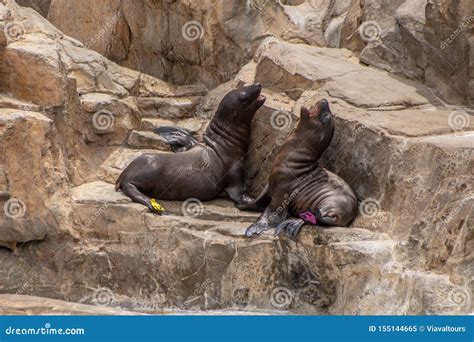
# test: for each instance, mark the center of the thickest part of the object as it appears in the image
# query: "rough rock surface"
(71, 120)
(183, 42)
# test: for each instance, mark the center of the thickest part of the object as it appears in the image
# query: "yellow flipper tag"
(157, 206)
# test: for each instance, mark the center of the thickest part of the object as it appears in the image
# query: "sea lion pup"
(207, 169)
(299, 185)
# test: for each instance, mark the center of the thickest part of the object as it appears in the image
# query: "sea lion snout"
(322, 106)
(251, 97)
(320, 110)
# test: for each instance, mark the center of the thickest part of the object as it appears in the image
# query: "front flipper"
(180, 139)
(291, 227)
(269, 219)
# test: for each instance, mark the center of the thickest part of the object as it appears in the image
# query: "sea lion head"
(317, 123)
(240, 105)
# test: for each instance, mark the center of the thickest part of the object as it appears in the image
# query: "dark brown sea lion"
(207, 169)
(299, 185)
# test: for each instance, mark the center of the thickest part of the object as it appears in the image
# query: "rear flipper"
(180, 139)
(136, 195)
(291, 227)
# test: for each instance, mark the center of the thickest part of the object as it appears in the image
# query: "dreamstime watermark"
(14, 208)
(23, 289)
(444, 44)
(109, 23)
(369, 207)
(192, 30)
(286, 202)
(46, 330)
(458, 208)
(281, 297)
(370, 31)
(458, 120)
(103, 296)
(281, 120)
(198, 292)
(103, 120)
(101, 210)
(459, 297)
(192, 207)
(14, 31)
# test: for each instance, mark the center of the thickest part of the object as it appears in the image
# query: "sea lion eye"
(243, 97)
(325, 118)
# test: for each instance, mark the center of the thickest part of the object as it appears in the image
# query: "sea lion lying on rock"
(204, 170)
(299, 185)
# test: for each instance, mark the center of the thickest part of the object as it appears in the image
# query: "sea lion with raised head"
(202, 170)
(298, 185)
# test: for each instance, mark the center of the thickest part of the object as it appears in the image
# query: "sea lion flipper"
(180, 139)
(268, 220)
(259, 203)
(291, 227)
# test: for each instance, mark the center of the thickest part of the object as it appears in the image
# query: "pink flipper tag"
(308, 217)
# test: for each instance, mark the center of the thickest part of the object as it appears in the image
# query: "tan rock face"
(71, 121)
(209, 43)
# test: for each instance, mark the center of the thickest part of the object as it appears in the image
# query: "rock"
(411, 38)
(23, 64)
(272, 123)
(210, 43)
(149, 140)
(167, 107)
(128, 36)
(17, 304)
(449, 66)
(194, 125)
(30, 305)
(28, 179)
(217, 265)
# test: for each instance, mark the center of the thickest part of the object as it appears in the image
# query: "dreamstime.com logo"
(281, 298)
(46, 330)
(192, 30)
(444, 44)
(459, 297)
(192, 207)
(14, 208)
(102, 297)
(14, 31)
(109, 24)
(369, 207)
(281, 120)
(370, 31)
(103, 120)
(458, 120)
(198, 292)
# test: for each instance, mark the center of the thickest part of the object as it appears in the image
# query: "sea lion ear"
(304, 113)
